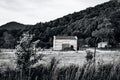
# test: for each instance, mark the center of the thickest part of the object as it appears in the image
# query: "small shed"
(102, 45)
(62, 42)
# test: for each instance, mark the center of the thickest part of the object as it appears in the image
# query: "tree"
(25, 53)
(105, 34)
(105, 31)
(9, 40)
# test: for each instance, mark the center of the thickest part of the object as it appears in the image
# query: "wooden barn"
(62, 42)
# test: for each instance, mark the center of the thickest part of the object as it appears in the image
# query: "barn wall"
(57, 44)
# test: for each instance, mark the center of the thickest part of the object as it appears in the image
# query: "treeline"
(101, 22)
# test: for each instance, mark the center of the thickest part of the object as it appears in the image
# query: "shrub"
(89, 55)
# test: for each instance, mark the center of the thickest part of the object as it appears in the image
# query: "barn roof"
(66, 37)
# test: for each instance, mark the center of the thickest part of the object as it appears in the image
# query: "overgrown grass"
(89, 71)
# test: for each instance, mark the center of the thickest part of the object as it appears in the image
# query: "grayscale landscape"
(60, 40)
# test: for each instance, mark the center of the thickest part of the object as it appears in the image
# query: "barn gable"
(61, 42)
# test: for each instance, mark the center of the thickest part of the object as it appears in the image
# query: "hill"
(101, 22)
(13, 26)
(10, 33)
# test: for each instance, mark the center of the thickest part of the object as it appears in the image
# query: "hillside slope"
(101, 22)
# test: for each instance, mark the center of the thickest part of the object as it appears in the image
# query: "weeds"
(110, 71)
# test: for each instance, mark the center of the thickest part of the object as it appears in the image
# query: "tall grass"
(89, 71)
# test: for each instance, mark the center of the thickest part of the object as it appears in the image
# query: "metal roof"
(66, 37)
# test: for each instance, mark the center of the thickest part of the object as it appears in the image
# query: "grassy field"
(7, 59)
(72, 66)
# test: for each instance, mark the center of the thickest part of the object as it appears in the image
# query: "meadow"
(66, 58)
(60, 65)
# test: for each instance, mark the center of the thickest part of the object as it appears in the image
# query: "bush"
(89, 55)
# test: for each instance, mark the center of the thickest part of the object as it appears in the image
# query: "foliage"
(89, 56)
(26, 53)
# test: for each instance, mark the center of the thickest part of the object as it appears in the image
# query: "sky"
(34, 11)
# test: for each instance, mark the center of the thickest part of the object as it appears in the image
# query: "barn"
(62, 42)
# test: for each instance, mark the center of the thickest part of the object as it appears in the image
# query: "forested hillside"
(101, 22)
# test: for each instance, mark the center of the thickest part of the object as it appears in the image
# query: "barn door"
(65, 46)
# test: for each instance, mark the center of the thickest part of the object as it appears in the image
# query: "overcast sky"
(34, 11)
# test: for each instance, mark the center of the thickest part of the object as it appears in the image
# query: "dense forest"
(101, 22)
